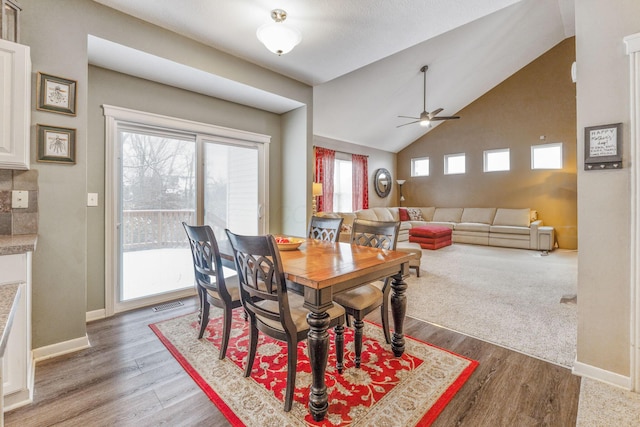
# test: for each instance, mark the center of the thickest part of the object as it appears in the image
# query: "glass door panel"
(158, 192)
(231, 189)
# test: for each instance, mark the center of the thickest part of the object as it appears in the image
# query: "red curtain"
(325, 161)
(360, 197)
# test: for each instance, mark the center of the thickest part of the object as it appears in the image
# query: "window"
(497, 160)
(342, 185)
(420, 166)
(454, 164)
(546, 156)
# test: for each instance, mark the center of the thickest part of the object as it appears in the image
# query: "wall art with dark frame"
(56, 94)
(603, 147)
(56, 144)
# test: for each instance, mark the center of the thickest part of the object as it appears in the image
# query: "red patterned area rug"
(406, 391)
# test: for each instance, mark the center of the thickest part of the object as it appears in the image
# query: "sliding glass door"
(161, 172)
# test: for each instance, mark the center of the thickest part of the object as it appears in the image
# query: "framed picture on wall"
(56, 94)
(603, 147)
(56, 144)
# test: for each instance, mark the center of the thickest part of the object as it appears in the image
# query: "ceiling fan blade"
(410, 123)
(434, 113)
(445, 118)
(409, 117)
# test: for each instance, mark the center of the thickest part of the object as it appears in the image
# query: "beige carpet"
(603, 405)
(509, 297)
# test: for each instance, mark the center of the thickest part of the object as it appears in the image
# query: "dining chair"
(213, 288)
(323, 228)
(360, 301)
(272, 309)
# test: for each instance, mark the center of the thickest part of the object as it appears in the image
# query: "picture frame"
(56, 144)
(56, 94)
(603, 147)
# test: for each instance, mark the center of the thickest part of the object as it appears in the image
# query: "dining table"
(324, 268)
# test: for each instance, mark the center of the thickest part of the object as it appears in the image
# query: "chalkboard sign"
(603, 147)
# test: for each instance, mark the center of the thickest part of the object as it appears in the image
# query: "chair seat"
(360, 298)
(232, 287)
(298, 312)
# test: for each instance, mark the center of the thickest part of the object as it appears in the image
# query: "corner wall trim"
(58, 349)
(96, 315)
(599, 374)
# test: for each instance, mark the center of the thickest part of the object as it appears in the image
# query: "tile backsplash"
(18, 221)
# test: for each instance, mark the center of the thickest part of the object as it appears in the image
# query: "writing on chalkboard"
(603, 142)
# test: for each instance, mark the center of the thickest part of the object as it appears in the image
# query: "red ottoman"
(430, 236)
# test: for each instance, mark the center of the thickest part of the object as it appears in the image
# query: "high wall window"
(546, 156)
(497, 160)
(454, 164)
(420, 166)
(342, 185)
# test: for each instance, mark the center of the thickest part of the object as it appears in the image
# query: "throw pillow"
(345, 228)
(404, 215)
(415, 214)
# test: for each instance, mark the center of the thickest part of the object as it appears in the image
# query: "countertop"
(18, 244)
(9, 295)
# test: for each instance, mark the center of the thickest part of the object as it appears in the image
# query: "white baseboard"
(58, 349)
(599, 374)
(96, 315)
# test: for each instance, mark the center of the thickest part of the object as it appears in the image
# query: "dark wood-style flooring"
(128, 378)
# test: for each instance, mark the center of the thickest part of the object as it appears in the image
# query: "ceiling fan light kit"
(277, 36)
(426, 118)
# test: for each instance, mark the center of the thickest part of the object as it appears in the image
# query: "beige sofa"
(511, 228)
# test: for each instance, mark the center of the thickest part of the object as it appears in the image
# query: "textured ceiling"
(363, 56)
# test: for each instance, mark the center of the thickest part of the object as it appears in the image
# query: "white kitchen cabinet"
(18, 367)
(15, 105)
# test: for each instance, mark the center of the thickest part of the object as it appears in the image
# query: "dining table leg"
(318, 344)
(398, 311)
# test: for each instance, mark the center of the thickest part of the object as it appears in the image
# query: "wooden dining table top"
(320, 264)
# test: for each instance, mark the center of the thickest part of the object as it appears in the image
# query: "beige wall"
(376, 159)
(66, 258)
(538, 100)
(604, 198)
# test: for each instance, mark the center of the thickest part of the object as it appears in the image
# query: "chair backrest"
(376, 234)
(207, 264)
(322, 228)
(263, 288)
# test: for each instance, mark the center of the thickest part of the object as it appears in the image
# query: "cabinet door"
(14, 268)
(15, 105)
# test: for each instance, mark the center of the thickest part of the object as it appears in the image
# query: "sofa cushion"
(378, 214)
(447, 214)
(403, 214)
(512, 217)
(478, 215)
(506, 229)
(415, 214)
(472, 226)
(367, 214)
(427, 213)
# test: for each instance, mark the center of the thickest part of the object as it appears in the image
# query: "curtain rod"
(338, 151)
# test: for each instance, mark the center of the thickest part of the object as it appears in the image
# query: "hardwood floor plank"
(128, 377)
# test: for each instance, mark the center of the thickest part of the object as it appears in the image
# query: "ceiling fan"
(426, 118)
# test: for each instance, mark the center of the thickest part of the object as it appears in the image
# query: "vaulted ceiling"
(363, 57)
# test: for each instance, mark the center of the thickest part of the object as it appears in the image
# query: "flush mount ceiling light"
(277, 36)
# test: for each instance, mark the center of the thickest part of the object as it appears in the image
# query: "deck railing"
(155, 229)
